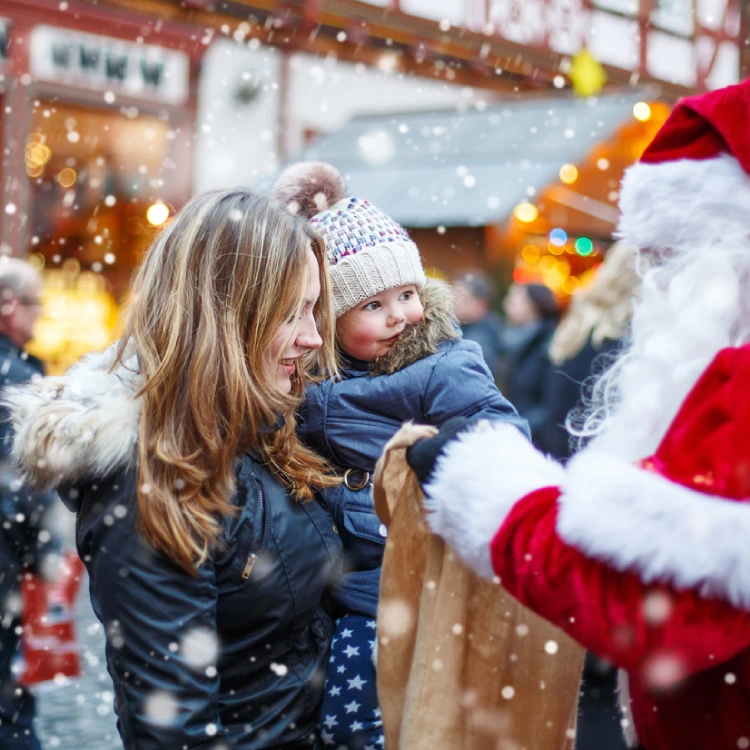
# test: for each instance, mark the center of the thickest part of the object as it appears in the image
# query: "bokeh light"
(157, 214)
(641, 112)
(67, 177)
(568, 173)
(584, 246)
(525, 212)
(558, 237)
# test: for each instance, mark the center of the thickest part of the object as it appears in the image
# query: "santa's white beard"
(693, 304)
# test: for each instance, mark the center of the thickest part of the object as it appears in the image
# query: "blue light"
(558, 237)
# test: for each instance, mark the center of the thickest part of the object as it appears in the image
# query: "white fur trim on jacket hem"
(477, 480)
(636, 520)
(685, 203)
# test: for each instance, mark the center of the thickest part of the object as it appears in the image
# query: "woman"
(207, 549)
(532, 315)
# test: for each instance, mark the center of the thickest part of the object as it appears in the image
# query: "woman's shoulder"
(79, 427)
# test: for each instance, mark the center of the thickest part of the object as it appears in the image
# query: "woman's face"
(518, 307)
(298, 335)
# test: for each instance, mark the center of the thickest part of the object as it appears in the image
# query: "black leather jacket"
(232, 657)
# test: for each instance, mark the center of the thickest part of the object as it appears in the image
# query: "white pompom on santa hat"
(691, 187)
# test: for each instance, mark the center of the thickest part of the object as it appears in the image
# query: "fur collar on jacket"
(84, 425)
(423, 338)
(79, 426)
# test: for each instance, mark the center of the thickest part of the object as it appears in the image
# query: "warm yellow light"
(571, 285)
(547, 263)
(586, 74)
(525, 212)
(555, 249)
(37, 154)
(568, 173)
(641, 112)
(157, 214)
(67, 177)
(562, 267)
(530, 253)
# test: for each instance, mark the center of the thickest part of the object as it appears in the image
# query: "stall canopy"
(468, 168)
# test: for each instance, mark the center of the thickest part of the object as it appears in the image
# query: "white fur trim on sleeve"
(684, 203)
(477, 480)
(637, 520)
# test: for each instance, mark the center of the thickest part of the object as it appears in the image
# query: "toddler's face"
(370, 329)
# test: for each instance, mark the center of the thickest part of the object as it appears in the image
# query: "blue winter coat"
(350, 421)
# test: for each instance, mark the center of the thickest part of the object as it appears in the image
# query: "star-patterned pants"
(350, 715)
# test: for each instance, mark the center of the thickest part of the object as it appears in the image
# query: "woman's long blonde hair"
(603, 309)
(213, 290)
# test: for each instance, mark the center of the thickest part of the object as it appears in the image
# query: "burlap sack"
(461, 665)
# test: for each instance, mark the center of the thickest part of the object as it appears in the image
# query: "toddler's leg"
(350, 715)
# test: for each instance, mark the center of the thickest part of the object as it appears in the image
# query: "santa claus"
(640, 547)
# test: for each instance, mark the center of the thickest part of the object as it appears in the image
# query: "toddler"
(402, 359)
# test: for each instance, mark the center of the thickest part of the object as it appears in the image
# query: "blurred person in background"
(532, 315)
(473, 294)
(28, 541)
(208, 551)
(584, 344)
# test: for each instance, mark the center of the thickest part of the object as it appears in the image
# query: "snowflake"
(199, 647)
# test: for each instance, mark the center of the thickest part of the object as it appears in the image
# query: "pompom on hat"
(368, 251)
(691, 187)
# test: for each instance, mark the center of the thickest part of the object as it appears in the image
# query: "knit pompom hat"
(368, 252)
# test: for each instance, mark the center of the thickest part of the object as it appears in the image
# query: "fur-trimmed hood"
(422, 339)
(79, 426)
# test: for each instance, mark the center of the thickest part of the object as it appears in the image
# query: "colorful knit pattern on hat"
(368, 252)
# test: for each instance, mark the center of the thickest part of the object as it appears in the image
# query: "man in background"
(474, 292)
(26, 542)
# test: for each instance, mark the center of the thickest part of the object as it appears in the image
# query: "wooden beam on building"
(419, 46)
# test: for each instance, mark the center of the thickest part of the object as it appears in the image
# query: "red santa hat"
(691, 188)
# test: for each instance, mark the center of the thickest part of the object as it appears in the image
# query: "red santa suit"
(640, 547)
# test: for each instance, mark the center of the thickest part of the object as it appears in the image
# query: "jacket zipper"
(261, 535)
(249, 566)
